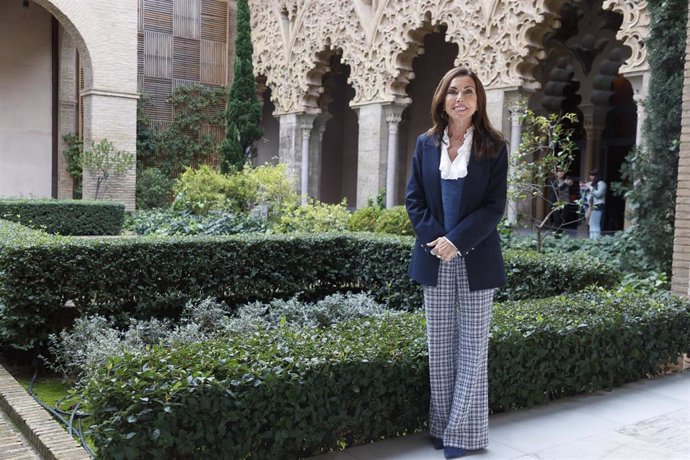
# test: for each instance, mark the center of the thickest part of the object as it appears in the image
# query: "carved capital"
(305, 122)
(393, 113)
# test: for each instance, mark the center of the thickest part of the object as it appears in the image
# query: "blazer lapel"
(432, 156)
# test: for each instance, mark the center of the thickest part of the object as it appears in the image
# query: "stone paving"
(49, 439)
(13, 446)
(645, 420)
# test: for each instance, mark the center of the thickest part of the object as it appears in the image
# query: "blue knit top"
(451, 194)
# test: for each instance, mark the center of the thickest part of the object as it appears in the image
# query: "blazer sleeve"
(478, 224)
(425, 225)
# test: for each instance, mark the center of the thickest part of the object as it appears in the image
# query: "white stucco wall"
(25, 100)
(105, 35)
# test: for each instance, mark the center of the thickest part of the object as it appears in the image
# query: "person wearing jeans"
(596, 189)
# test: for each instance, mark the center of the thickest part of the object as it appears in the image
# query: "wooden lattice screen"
(180, 42)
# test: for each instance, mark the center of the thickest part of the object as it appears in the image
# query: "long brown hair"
(486, 141)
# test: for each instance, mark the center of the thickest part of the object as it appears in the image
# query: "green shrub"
(169, 222)
(618, 249)
(364, 219)
(103, 163)
(154, 189)
(330, 310)
(81, 350)
(374, 218)
(314, 217)
(532, 275)
(316, 375)
(72, 154)
(66, 217)
(156, 276)
(266, 185)
(205, 189)
(291, 393)
(201, 190)
(394, 221)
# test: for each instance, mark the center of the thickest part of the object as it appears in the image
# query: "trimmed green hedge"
(66, 217)
(149, 276)
(291, 392)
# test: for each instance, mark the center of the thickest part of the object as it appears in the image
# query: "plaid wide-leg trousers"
(458, 337)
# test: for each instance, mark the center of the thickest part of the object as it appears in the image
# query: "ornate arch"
(293, 41)
(502, 40)
(633, 31)
(632, 34)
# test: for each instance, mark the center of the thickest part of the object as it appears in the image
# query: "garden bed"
(156, 276)
(294, 392)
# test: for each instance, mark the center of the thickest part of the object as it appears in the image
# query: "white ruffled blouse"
(457, 168)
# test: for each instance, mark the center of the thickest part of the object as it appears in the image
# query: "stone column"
(393, 114)
(316, 149)
(289, 144)
(499, 102)
(372, 150)
(593, 129)
(113, 116)
(515, 135)
(640, 85)
(306, 123)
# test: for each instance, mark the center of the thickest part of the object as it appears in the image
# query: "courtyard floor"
(14, 446)
(645, 420)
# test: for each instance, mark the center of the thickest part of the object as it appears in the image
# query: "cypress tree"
(243, 112)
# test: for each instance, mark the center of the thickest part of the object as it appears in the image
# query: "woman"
(596, 190)
(455, 199)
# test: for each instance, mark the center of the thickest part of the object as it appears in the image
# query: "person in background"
(595, 196)
(455, 198)
(560, 197)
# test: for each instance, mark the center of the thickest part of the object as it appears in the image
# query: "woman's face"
(461, 99)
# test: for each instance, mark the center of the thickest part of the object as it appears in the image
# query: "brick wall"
(681, 244)
(105, 35)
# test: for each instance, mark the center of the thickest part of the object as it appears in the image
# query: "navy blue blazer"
(482, 205)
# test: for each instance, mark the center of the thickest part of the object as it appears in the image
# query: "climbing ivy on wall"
(651, 171)
(184, 142)
(162, 157)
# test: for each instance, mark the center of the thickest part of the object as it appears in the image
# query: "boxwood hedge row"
(156, 276)
(293, 393)
(66, 217)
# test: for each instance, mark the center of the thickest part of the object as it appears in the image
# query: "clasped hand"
(443, 249)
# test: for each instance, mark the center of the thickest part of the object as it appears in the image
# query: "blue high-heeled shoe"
(453, 452)
(436, 442)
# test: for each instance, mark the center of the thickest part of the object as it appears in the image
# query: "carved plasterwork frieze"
(633, 31)
(294, 42)
(501, 40)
